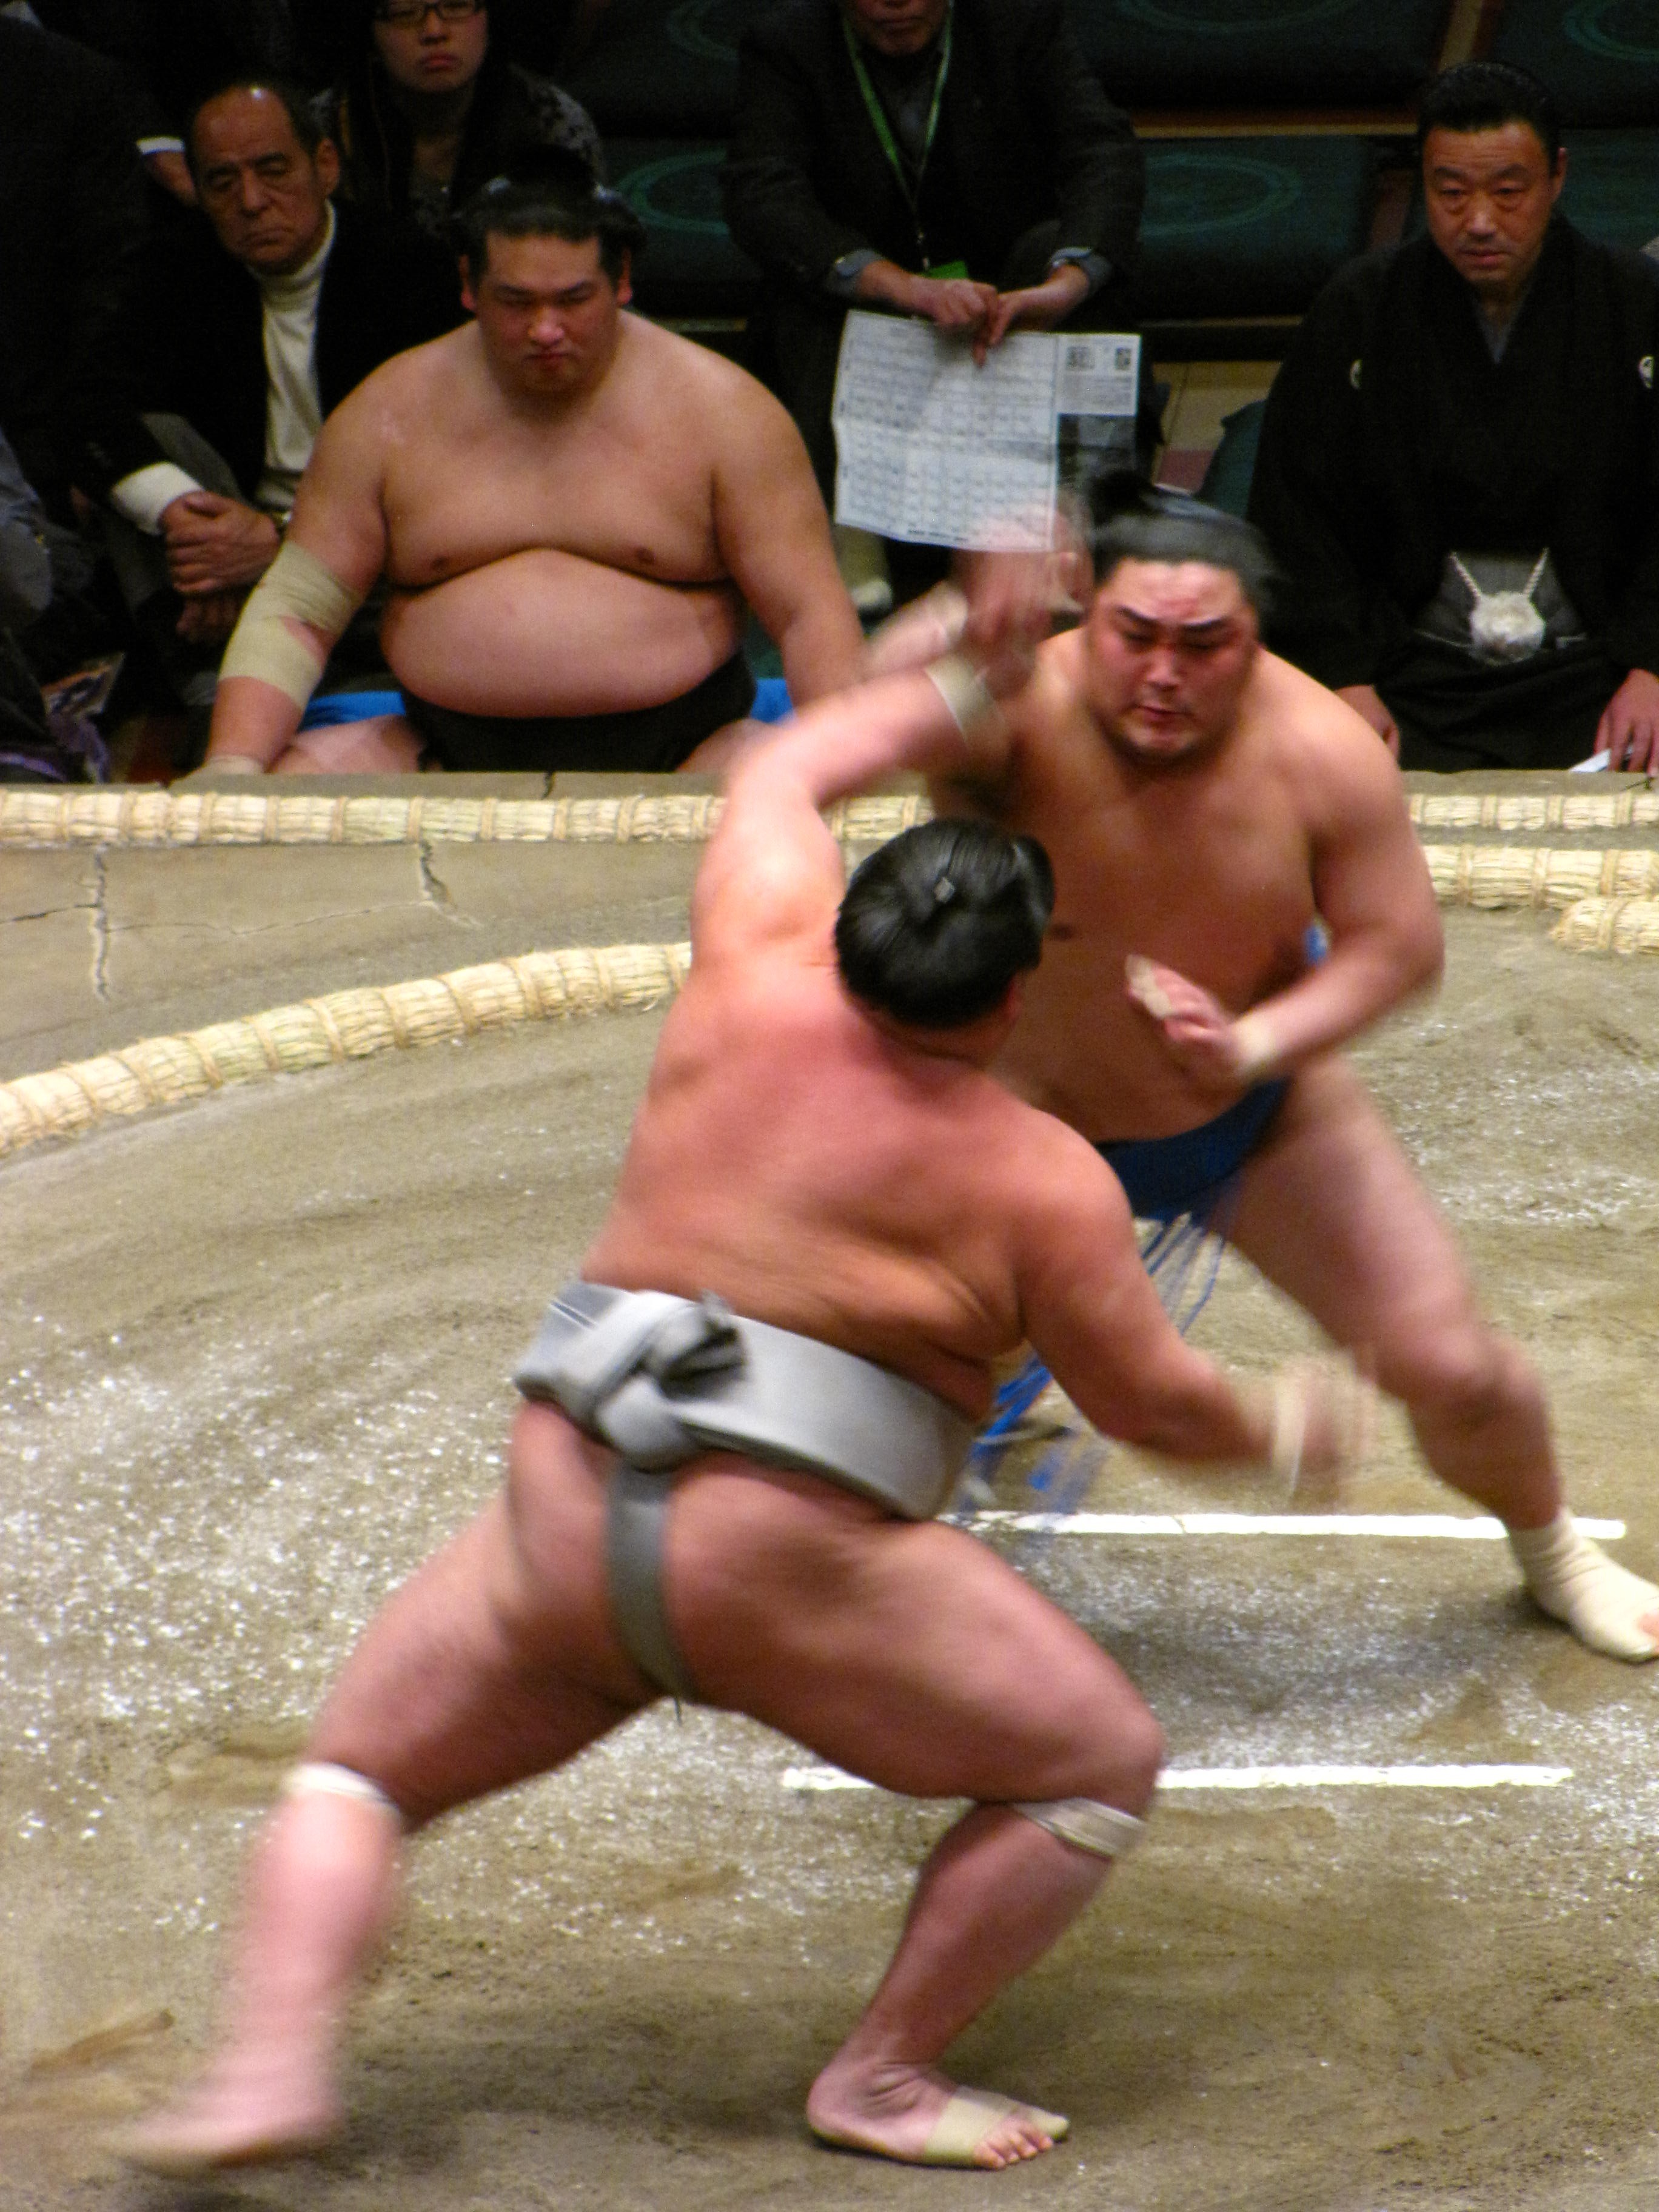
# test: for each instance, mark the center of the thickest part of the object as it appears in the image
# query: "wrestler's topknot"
(937, 924)
(548, 191)
(1131, 520)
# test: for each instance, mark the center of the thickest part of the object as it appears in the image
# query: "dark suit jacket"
(71, 244)
(201, 345)
(1025, 137)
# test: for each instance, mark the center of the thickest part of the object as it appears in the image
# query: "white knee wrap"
(317, 1780)
(296, 586)
(1086, 1825)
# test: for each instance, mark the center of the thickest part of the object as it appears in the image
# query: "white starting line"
(1278, 1777)
(1454, 1527)
(1443, 1527)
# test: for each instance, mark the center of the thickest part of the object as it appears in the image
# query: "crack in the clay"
(434, 891)
(99, 917)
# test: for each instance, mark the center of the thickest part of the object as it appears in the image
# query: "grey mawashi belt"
(661, 1379)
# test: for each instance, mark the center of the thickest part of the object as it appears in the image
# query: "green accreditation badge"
(946, 269)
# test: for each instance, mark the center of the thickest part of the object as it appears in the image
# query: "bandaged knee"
(1574, 1581)
(298, 587)
(314, 1779)
(1101, 1830)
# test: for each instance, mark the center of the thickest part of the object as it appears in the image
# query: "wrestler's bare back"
(818, 1176)
(546, 558)
(1214, 867)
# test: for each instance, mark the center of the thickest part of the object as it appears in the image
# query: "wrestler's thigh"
(909, 1653)
(381, 744)
(1331, 1210)
(476, 1673)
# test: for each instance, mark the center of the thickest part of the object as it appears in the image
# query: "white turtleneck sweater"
(294, 410)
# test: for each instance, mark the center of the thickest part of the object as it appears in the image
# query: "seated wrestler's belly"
(548, 633)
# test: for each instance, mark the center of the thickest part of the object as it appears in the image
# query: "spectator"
(952, 159)
(45, 571)
(257, 322)
(48, 599)
(73, 194)
(1459, 469)
(429, 111)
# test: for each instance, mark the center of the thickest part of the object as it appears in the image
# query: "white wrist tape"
(1289, 1430)
(964, 690)
(315, 1779)
(234, 764)
(299, 587)
(1088, 1826)
(1257, 1052)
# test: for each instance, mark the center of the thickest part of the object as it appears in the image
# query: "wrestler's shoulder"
(683, 375)
(1321, 746)
(410, 385)
(1049, 717)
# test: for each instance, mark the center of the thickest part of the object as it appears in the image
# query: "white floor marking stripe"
(1365, 1777)
(1279, 1777)
(1468, 1528)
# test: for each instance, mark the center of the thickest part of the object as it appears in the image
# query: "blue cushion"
(1249, 226)
(332, 707)
(1600, 58)
(665, 67)
(772, 701)
(690, 266)
(1237, 53)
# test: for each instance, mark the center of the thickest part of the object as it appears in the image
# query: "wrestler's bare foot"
(900, 2113)
(240, 2113)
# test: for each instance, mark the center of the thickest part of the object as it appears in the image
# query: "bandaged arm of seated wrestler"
(334, 550)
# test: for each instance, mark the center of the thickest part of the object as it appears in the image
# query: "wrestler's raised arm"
(773, 537)
(334, 550)
(773, 869)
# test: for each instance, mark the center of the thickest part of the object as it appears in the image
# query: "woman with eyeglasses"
(430, 110)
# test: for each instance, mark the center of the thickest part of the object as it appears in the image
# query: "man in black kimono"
(1458, 469)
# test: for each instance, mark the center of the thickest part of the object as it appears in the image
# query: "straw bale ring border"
(136, 816)
(168, 1071)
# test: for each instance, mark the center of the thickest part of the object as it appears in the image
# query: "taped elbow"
(297, 587)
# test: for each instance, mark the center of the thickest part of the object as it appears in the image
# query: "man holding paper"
(951, 159)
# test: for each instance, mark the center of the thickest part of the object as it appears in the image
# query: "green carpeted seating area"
(1237, 54)
(1600, 57)
(1249, 226)
(690, 266)
(1612, 190)
(665, 68)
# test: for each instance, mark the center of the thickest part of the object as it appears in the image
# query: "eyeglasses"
(411, 14)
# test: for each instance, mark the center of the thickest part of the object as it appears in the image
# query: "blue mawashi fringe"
(1183, 1258)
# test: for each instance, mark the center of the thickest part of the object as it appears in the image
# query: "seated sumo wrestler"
(571, 507)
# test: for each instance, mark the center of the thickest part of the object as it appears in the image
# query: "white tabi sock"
(1575, 1581)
